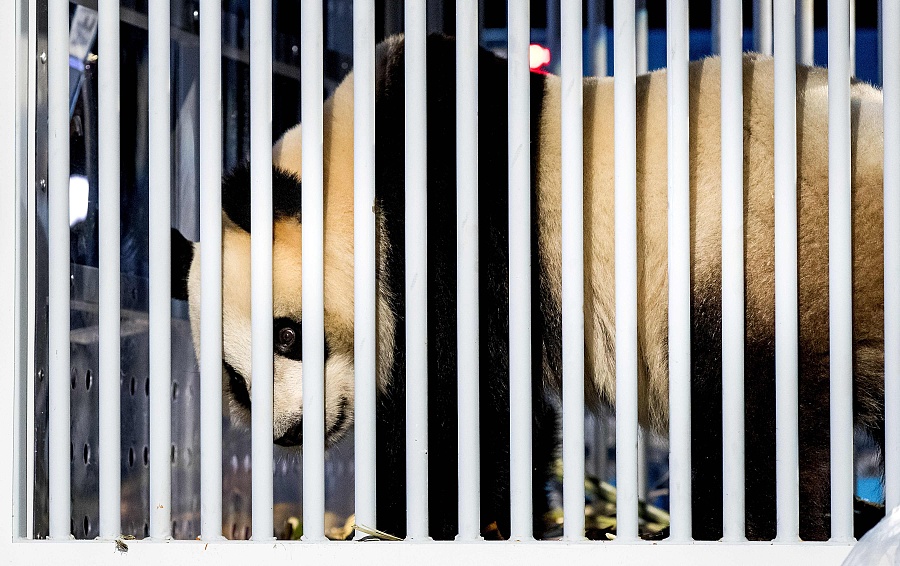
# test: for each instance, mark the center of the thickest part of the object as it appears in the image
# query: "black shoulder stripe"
(493, 206)
(236, 194)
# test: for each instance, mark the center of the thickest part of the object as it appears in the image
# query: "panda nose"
(292, 436)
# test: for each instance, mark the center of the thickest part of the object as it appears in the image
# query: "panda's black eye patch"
(288, 338)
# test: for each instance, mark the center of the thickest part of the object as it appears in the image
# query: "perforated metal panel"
(134, 378)
(134, 383)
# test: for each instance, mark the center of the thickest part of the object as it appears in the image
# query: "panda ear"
(286, 194)
(182, 256)
(236, 195)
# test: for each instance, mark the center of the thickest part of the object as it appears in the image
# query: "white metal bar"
(805, 38)
(29, 59)
(572, 271)
(12, 161)
(891, 52)
(678, 128)
(58, 269)
(732, 271)
(262, 370)
(19, 116)
(211, 270)
(626, 273)
(109, 286)
(364, 259)
(840, 269)
(160, 149)
(312, 202)
(520, 440)
(762, 26)
(642, 43)
(787, 465)
(469, 461)
(416, 276)
(443, 553)
(597, 37)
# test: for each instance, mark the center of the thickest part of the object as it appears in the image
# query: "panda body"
(546, 279)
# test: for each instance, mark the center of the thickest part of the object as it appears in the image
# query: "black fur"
(237, 385)
(236, 195)
(493, 289)
(706, 394)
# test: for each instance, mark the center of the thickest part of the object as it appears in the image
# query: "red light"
(538, 56)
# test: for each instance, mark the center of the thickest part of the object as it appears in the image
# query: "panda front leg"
(706, 442)
(759, 449)
(706, 422)
(815, 453)
(759, 440)
(706, 448)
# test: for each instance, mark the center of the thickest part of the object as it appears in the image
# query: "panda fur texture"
(705, 174)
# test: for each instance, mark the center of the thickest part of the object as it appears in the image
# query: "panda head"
(286, 281)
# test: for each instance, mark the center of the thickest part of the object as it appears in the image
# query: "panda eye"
(287, 338)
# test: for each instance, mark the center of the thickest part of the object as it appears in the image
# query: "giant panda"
(705, 177)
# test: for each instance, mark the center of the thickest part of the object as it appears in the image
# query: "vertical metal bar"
(626, 272)
(467, 267)
(891, 51)
(787, 465)
(364, 258)
(160, 270)
(642, 41)
(679, 217)
(762, 26)
(416, 276)
(29, 60)
(58, 269)
(19, 115)
(572, 271)
(805, 31)
(732, 271)
(840, 266)
(262, 370)
(597, 37)
(109, 319)
(12, 159)
(211, 270)
(520, 353)
(312, 50)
